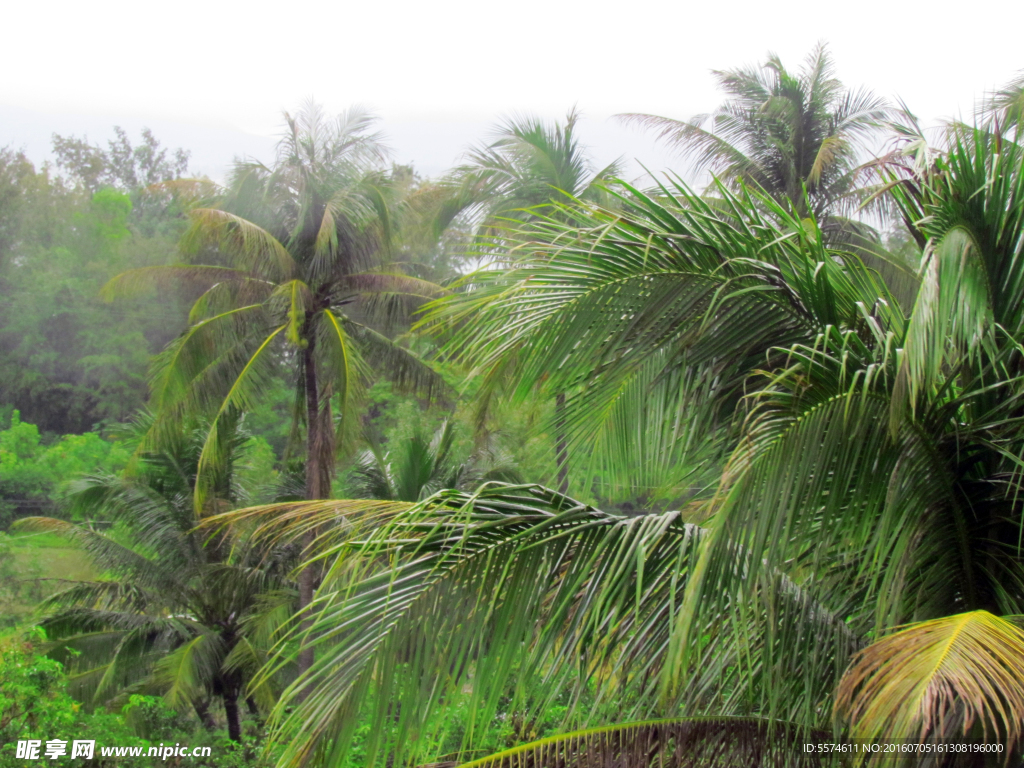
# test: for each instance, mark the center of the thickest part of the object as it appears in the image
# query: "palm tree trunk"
(318, 484)
(230, 697)
(202, 708)
(561, 444)
(313, 491)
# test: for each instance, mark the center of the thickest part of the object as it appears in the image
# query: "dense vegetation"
(333, 465)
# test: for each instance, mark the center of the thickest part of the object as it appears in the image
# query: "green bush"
(34, 704)
(30, 469)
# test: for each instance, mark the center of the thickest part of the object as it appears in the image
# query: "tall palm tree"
(524, 171)
(783, 132)
(873, 480)
(178, 613)
(527, 173)
(293, 260)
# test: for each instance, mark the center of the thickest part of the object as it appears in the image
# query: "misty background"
(213, 78)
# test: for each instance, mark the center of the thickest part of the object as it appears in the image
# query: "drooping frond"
(333, 521)
(937, 680)
(713, 742)
(197, 368)
(517, 581)
(134, 281)
(397, 363)
(387, 282)
(252, 380)
(244, 243)
(186, 672)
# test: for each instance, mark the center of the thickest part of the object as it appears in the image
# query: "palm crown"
(298, 272)
(782, 132)
(526, 171)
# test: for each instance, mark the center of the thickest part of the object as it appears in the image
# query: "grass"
(33, 567)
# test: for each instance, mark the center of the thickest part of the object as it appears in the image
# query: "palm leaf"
(249, 245)
(680, 743)
(253, 378)
(134, 281)
(185, 673)
(522, 581)
(937, 680)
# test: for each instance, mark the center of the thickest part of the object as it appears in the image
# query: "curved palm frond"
(249, 245)
(937, 680)
(134, 281)
(711, 742)
(507, 582)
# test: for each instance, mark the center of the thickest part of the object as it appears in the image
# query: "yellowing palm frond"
(937, 680)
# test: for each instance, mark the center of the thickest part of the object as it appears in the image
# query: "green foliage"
(34, 471)
(803, 447)
(176, 612)
(67, 361)
(34, 703)
(152, 719)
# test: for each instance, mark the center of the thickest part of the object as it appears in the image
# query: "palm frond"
(680, 743)
(335, 520)
(247, 244)
(135, 281)
(938, 680)
(185, 673)
(398, 364)
(517, 581)
(253, 378)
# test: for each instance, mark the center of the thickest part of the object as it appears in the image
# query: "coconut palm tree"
(873, 481)
(527, 168)
(795, 135)
(292, 260)
(527, 173)
(178, 612)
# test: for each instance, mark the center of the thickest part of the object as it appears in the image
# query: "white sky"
(204, 72)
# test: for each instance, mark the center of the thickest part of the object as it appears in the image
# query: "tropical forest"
(535, 463)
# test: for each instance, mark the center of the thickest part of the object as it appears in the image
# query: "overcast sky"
(214, 75)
